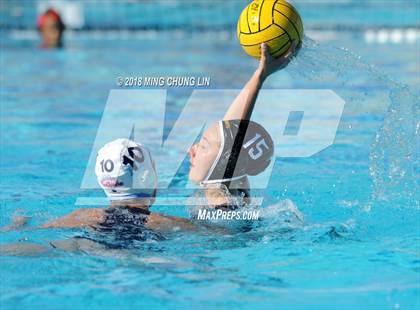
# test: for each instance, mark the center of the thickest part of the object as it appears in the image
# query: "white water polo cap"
(126, 170)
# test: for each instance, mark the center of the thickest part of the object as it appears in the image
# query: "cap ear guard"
(218, 157)
(132, 157)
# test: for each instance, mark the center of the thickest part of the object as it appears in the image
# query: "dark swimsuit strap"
(134, 210)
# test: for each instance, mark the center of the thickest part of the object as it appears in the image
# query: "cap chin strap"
(202, 183)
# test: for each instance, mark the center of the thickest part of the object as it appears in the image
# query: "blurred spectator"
(51, 28)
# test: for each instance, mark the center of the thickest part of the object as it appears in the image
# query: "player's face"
(204, 153)
(50, 33)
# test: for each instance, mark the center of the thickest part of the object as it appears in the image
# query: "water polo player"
(219, 159)
(51, 28)
(234, 148)
(126, 172)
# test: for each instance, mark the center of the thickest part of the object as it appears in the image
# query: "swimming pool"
(358, 246)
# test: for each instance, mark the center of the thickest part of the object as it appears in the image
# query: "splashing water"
(394, 156)
(394, 162)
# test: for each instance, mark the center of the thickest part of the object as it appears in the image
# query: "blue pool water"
(357, 247)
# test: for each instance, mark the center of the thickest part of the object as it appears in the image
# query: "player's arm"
(162, 222)
(243, 104)
(18, 222)
(165, 223)
(77, 218)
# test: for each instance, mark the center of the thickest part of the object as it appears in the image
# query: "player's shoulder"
(88, 212)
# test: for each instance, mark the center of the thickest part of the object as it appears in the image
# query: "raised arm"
(242, 106)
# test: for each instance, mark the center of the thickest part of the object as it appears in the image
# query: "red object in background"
(49, 13)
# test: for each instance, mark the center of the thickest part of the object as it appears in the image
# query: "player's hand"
(268, 64)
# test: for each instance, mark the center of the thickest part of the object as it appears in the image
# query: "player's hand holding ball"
(273, 22)
(269, 64)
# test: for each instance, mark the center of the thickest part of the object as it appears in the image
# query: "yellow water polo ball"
(275, 22)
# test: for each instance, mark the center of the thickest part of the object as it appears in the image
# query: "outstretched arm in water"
(93, 216)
